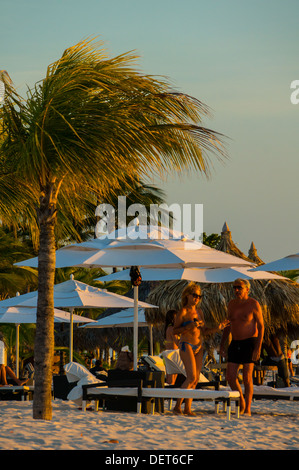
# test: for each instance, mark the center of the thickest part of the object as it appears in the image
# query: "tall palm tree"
(90, 123)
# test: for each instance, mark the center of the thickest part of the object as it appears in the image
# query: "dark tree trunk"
(44, 340)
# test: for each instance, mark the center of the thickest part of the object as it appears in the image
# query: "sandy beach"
(272, 426)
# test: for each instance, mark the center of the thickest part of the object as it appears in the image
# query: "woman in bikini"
(190, 324)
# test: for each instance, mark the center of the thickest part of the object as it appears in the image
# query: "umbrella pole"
(151, 340)
(135, 328)
(17, 348)
(71, 335)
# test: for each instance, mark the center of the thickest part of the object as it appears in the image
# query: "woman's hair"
(169, 319)
(192, 287)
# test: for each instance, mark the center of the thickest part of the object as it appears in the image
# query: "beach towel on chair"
(77, 373)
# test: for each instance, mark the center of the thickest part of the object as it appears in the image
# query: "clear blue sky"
(238, 57)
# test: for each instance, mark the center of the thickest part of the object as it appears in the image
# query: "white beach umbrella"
(19, 315)
(289, 263)
(143, 246)
(156, 247)
(122, 319)
(75, 294)
(217, 275)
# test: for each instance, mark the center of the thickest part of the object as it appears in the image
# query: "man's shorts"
(240, 351)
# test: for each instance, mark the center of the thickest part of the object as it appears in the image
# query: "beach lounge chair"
(116, 390)
(217, 396)
(94, 392)
(16, 392)
(150, 378)
(269, 393)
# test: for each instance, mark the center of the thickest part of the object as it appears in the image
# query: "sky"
(237, 57)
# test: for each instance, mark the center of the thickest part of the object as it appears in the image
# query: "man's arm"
(226, 332)
(225, 335)
(260, 327)
(222, 326)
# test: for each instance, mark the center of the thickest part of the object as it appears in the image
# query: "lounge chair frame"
(95, 392)
(15, 392)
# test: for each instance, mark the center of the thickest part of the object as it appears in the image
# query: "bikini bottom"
(195, 348)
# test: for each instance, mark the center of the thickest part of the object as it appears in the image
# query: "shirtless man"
(247, 330)
(190, 324)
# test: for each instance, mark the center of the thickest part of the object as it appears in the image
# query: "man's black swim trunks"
(240, 351)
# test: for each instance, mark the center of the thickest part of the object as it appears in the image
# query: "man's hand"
(198, 323)
(223, 324)
(256, 354)
(222, 351)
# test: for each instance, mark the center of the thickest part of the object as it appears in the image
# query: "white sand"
(272, 426)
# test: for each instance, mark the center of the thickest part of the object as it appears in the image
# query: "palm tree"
(136, 192)
(81, 131)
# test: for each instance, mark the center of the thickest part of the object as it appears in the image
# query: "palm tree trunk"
(44, 340)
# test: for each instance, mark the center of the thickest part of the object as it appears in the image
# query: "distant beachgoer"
(290, 364)
(171, 341)
(247, 330)
(275, 357)
(98, 367)
(190, 324)
(125, 359)
(6, 371)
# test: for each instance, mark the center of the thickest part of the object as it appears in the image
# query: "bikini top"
(186, 322)
(189, 321)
